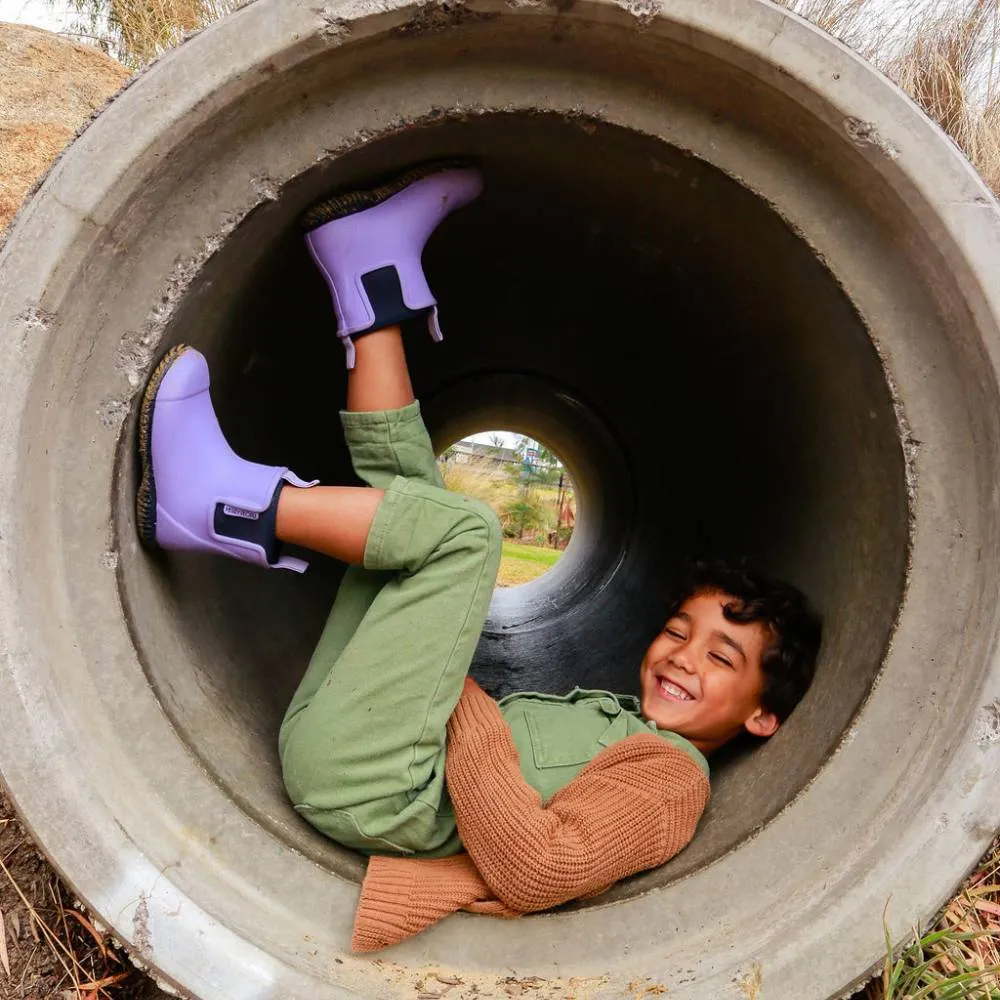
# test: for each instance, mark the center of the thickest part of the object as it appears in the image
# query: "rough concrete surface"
(722, 266)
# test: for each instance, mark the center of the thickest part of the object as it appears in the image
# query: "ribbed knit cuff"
(402, 896)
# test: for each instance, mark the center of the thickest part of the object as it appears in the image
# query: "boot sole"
(339, 206)
(145, 497)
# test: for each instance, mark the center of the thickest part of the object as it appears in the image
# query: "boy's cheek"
(652, 655)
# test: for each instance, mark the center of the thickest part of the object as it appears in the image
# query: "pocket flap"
(561, 738)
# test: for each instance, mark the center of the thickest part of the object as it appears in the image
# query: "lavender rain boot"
(196, 493)
(368, 246)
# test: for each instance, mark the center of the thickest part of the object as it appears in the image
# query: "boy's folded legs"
(363, 756)
(363, 761)
(362, 744)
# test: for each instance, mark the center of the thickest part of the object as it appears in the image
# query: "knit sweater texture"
(633, 807)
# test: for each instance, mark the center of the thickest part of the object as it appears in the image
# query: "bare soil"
(49, 949)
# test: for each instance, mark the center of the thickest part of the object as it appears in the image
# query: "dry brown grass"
(854, 22)
(137, 31)
(947, 66)
(481, 480)
(943, 55)
(48, 88)
(530, 514)
(26, 149)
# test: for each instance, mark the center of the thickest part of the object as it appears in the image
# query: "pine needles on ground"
(49, 948)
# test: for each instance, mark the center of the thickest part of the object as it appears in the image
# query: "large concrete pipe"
(725, 269)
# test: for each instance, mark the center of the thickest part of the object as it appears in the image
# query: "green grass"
(941, 965)
(521, 563)
(532, 553)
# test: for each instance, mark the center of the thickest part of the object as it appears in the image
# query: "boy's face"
(702, 675)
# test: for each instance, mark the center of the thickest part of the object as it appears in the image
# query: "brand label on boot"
(231, 511)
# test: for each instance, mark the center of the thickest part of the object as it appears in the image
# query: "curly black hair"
(789, 663)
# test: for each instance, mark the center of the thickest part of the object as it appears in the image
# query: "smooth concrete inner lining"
(701, 372)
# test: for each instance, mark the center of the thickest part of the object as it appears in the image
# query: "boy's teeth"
(674, 690)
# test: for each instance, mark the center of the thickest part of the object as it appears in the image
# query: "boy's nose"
(682, 660)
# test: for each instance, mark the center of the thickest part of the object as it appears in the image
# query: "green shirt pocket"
(558, 735)
(555, 740)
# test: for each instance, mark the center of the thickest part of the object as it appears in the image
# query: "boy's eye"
(673, 633)
(724, 660)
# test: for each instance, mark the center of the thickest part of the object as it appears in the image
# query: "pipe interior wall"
(705, 377)
(720, 265)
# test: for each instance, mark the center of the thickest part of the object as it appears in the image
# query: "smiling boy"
(737, 654)
(701, 677)
(388, 747)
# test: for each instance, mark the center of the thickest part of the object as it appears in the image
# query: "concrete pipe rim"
(206, 904)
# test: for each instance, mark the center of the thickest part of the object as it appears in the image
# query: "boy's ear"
(762, 723)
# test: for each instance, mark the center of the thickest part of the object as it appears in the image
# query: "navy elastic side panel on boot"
(251, 526)
(385, 294)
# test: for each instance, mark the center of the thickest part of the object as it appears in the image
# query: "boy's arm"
(402, 896)
(633, 807)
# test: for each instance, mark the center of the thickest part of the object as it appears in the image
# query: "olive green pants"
(363, 741)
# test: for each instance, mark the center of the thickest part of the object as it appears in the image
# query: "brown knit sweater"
(634, 806)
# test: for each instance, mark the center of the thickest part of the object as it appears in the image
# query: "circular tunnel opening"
(529, 487)
(701, 373)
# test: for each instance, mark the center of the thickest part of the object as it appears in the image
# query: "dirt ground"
(49, 950)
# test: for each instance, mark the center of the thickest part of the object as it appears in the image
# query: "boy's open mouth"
(673, 692)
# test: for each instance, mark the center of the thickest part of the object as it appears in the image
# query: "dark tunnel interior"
(702, 374)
